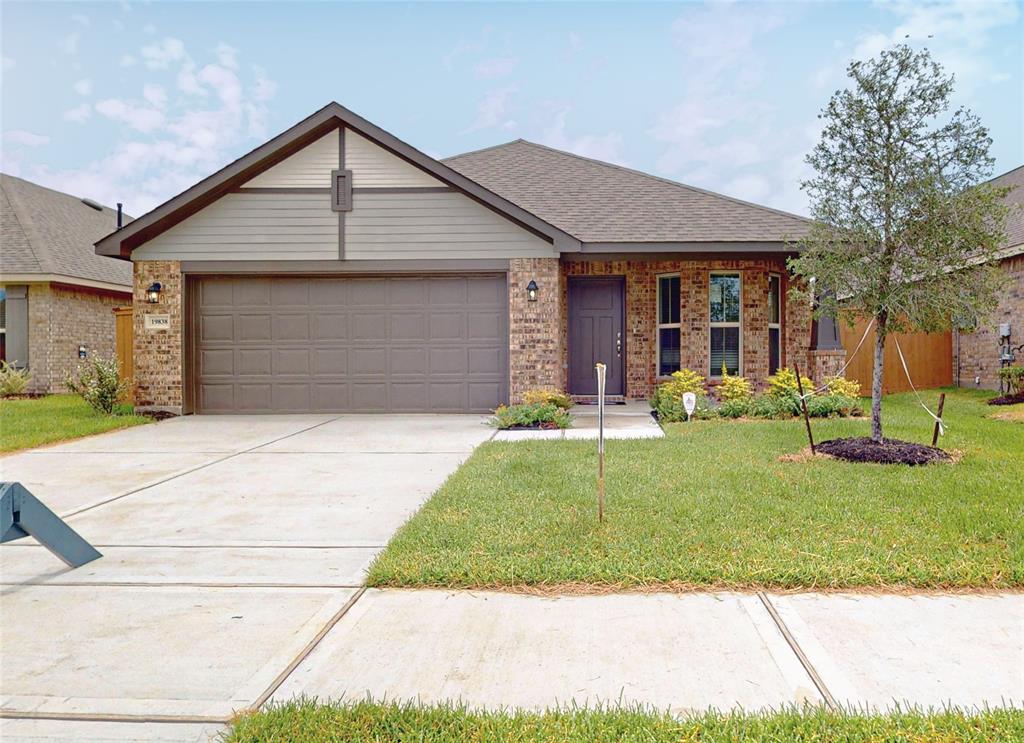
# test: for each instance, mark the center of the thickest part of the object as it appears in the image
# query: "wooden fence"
(123, 341)
(929, 357)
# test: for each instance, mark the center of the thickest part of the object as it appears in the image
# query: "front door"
(596, 333)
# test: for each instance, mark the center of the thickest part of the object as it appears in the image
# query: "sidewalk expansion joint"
(102, 717)
(811, 671)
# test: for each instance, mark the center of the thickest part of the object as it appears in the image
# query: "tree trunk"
(876, 380)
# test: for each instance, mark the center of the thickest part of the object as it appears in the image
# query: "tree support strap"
(22, 515)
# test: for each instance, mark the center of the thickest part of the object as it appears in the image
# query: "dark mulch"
(1015, 398)
(26, 396)
(158, 415)
(536, 427)
(890, 451)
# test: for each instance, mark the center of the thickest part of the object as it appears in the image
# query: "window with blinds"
(726, 328)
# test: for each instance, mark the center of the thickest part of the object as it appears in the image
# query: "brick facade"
(61, 318)
(979, 351)
(641, 319)
(535, 340)
(158, 353)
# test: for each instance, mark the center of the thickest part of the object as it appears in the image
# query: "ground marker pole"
(803, 403)
(600, 369)
(938, 420)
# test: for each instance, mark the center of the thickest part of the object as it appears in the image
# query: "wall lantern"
(531, 291)
(153, 292)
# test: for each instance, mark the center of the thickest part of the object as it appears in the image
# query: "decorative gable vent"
(341, 190)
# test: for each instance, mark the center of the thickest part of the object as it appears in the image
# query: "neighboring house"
(337, 268)
(976, 354)
(57, 295)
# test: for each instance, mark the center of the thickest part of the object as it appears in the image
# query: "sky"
(137, 101)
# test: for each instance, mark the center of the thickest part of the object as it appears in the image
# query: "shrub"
(832, 406)
(682, 381)
(1013, 378)
(670, 409)
(843, 386)
(774, 406)
(734, 408)
(531, 415)
(13, 381)
(734, 388)
(547, 395)
(783, 382)
(99, 383)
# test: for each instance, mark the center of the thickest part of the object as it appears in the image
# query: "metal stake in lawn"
(600, 369)
(938, 420)
(803, 403)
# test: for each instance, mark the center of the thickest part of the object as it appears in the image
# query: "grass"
(308, 721)
(711, 506)
(25, 423)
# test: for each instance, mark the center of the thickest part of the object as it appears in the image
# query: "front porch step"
(592, 399)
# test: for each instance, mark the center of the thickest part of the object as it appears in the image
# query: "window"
(668, 325)
(724, 314)
(774, 322)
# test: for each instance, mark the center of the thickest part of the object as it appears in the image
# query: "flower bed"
(541, 409)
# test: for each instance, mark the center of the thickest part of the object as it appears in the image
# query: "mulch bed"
(158, 415)
(1015, 398)
(538, 427)
(890, 451)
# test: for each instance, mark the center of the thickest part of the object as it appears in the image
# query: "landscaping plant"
(99, 383)
(1013, 378)
(13, 381)
(531, 415)
(904, 231)
(734, 387)
(546, 395)
(843, 386)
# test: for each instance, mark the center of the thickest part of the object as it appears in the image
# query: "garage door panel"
(336, 344)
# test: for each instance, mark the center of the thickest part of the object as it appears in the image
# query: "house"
(56, 294)
(337, 268)
(976, 353)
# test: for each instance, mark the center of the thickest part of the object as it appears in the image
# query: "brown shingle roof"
(1015, 200)
(43, 231)
(599, 202)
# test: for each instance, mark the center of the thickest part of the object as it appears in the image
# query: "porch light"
(531, 291)
(153, 292)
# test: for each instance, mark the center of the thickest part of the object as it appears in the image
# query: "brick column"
(535, 328)
(158, 353)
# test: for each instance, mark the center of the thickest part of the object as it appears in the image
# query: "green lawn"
(45, 420)
(365, 721)
(711, 505)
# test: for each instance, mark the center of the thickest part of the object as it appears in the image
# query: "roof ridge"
(643, 174)
(27, 225)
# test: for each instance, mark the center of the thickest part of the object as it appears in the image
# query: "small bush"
(531, 415)
(99, 383)
(783, 383)
(668, 396)
(670, 409)
(832, 406)
(774, 406)
(734, 408)
(734, 388)
(13, 381)
(546, 395)
(843, 386)
(1013, 378)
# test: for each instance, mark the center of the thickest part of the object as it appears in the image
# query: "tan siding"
(310, 167)
(433, 225)
(374, 167)
(246, 226)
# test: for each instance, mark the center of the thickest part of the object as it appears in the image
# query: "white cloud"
(83, 87)
(496, 67)
(24, 138)
(494, 110)
(165, 142)
(607, 147)
(160, 55)
(227, 56)
(69, 44)
(127, 60)
(140, 118)
(79, 113)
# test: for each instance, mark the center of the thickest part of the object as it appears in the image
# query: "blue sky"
(135, 102)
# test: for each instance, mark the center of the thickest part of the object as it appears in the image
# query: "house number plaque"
(157, 322)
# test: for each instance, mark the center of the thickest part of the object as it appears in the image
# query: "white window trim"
(772, 325)
(739, 274)
(659, 324)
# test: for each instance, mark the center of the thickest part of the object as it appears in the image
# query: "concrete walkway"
(234, 555)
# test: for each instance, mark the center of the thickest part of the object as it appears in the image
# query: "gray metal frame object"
(22, 515)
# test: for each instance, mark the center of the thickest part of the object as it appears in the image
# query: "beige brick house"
(56, 295)
(337, 268)
(976, 354)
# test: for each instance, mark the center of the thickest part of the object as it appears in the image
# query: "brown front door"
(597, 333)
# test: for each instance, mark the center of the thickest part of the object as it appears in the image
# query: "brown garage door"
(420, 344)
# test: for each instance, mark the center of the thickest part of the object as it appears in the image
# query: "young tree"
(902, 231)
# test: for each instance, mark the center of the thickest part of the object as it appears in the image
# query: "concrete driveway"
(230, 545)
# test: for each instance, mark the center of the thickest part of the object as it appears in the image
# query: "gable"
(310, 167)
(374, 167)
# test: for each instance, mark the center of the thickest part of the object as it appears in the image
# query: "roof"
(122, 242)
(46, 232)
(1015, 200)
(598, 202)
